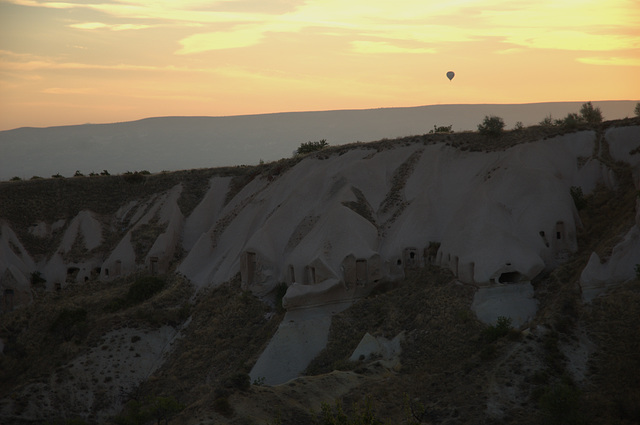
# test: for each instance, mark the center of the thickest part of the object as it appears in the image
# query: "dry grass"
(613, 394)
(228, 330)
(28, 334)
(361, 206)
(441, 350)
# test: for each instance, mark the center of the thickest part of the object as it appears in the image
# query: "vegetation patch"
(310, 147)
(142, 289)
(394, 201)
(228, 331)
(144, 236)
(491, 126)
(362, 414)
(157, 410)
(560, 405)
(501, 329)
(361, 206)
(70, 323)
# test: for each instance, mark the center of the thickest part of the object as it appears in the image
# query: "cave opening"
(510, 277)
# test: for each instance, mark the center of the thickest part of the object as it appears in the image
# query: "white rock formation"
(335, 225)
(387, 351)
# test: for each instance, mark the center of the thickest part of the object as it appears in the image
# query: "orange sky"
(73, 62)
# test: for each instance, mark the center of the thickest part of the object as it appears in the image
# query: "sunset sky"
(74, 62)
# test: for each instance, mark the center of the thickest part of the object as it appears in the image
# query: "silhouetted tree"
(590, 114)
(491, 126)
(311, 147)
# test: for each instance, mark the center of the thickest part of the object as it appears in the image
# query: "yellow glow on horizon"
(105, 60)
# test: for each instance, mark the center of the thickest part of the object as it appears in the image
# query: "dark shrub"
(441, 129)
(560, 404)
(570, 122)
(491, 126)
(70, 322)
(221, 405)
(547, 121)
(501, 328)
(144, 288)
(311, 147)
(37, 279)
(239, 381)
(133, 178)
(590, 114)
(578, 197)
(281, 290)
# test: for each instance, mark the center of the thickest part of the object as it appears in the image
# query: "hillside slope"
(175, 286)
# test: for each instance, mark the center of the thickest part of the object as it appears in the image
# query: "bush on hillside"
(136, 177)
(441, 129)
(362, 415)
(309, 147)
(141, 290)
(501, 328)
(636, 111)
(570, 122)
(37, 279)
(237, 381)
(590, 114)
(70, 322)
(151, 410)
(144, 288)
(560, 404)
(491, 126)
(280, 291)
(547, 121)
(578, 197)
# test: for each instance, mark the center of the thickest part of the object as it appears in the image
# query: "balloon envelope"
(450, 75)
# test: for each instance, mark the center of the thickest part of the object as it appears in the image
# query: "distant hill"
(176, 143)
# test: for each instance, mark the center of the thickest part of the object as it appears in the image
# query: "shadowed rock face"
(335, 224)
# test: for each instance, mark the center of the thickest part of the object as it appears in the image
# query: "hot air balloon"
(450, 75)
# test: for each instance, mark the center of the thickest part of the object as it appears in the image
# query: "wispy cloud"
(611, 61)
(385, 47)
(186, 11)
(220, 40)
(573, 40)
(583, 25)
(66, 90)
(33, 65)
(112, 27)
(11, 61)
